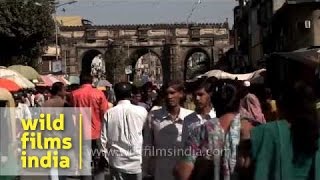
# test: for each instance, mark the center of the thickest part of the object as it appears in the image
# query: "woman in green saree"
(289, 149)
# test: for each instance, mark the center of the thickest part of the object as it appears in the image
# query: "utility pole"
(57, 30)
(194, 7)
(56, 6)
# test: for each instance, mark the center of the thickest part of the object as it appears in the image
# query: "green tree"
(26, 27)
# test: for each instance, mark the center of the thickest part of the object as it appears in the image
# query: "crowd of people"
(209, 129)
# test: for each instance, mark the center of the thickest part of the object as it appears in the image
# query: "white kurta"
(165, 135)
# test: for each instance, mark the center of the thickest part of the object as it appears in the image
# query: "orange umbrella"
(9, 85)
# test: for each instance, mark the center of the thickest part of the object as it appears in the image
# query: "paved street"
(100, 177)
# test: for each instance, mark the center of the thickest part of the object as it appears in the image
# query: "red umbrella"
(9, 85)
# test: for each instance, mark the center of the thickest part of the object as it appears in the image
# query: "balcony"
(143, 34)
(194, 33)
(91, 34)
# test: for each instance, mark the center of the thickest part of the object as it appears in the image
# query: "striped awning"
(62, 79)
(48, 80)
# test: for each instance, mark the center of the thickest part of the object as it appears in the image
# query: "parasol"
(16, 77)
(255, 76)
(26, 71)
(9, 85)
(103, 83)
(74, 80)
(62, 79)
(48, 80)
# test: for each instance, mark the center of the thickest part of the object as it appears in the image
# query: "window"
(143, 34)
(46, 66)
(158, 71)
(91, 35)
(196, 32)
(49, 66)
(67, 57)
(67, 54)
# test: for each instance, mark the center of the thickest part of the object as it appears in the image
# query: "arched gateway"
(171, 44)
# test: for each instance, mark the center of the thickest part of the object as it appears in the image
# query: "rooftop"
(70, 20)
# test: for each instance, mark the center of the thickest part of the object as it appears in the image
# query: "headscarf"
(250, 109)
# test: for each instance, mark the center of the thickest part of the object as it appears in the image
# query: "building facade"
(266, 26)
(123, 45)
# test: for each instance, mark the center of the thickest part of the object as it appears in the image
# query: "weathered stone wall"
(171, 42)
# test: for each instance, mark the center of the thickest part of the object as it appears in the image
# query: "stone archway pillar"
(178, 70)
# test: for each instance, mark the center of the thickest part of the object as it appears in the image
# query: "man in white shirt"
(31, 97)
(204, 110)
(121, 136)
(163, 133)
(22, 111)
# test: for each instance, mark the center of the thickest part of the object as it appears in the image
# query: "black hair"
(204, 83)
(136, 90)
(147, 85)
(56, 88)
(85, 78)
(226, 96)
(17, 96)
(267, 93)
(123, 90)
(73, 87)
(24, 95)
(298, 106)
(106, 94)
(175, 84)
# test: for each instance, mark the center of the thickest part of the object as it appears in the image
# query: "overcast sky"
(104, 12)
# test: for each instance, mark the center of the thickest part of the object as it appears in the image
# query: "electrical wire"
(194, 7)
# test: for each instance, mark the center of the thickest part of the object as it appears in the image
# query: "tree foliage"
(26, 26)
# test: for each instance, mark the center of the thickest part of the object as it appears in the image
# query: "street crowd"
(208, 129)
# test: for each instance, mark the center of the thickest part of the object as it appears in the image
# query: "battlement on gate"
(224, 25)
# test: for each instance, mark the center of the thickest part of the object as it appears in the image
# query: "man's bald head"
(123, 90)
